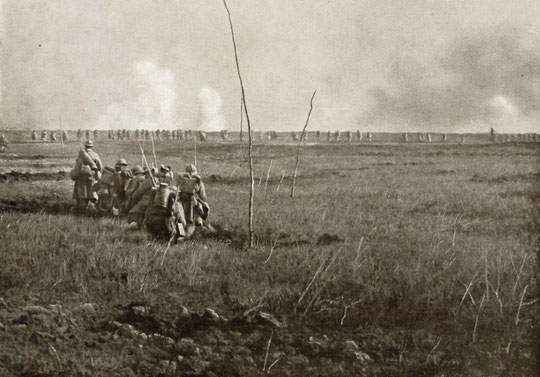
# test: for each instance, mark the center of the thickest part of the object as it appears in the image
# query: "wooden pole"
(300, 144)
(250, 159)
(61, 134)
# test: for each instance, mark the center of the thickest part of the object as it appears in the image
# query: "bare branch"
(250, 142)
(302, 136)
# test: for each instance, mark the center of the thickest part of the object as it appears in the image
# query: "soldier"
(224, 135)
(348, 135)
(405, 137)
(164, 217)
(136, 180)
(193, 198)
(318, 135)
(146, 134)
(79, 134)
(445, 138)
(96, 134)
(87, 134)
(336, 135)
(128, 134)
(87, 171)
(64, 136)
(44, 135)
(179, 134)
(122, 176)
(428, 137)
(369, 136)
(3, 143)
(118, 135)
(53, 136)
(165, 174)
(140, 199)
(329, 136)
(359, 135)
(293, 136)
(201, 135)
(34, 135)
(136, 134)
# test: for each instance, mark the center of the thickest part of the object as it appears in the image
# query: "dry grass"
(432, 238)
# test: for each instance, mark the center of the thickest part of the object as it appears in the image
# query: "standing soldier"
(79, 134)
(44, 135)
(329, 136)
(3, 143)
(359, 135)
(96, 134)
(293, 136)
(87, 134)
(158, 134)
(193, 198)
(369, 136)
(318, 134)
(336, 135)
(118, 135)
(405, 137)
(64, 136)
(34, 135)
(128, 134)
(122, 176)
(87, 171)
(428, 138)
(444, 138)
(348, 135)
(136, 134)
(53, 136)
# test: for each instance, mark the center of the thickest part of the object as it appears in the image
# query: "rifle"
(148, 167)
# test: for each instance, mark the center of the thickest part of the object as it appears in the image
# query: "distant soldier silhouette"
(52, 136)
(359, 135)
(96, 134)
(318, 134)
(369, 136)
(34, 135)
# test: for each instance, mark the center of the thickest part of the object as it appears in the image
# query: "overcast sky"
(377, 65)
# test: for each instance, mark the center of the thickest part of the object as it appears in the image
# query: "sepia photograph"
(269, 188)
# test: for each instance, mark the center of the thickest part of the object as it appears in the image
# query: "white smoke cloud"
(152, 103)
(211, 117)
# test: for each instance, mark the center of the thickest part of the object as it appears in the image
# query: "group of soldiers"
(48, 136)
(167, 204)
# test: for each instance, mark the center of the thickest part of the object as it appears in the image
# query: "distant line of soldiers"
(48, 136)
(168, 205)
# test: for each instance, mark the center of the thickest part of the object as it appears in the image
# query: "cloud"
(211, 117)
(150, 104)
(490, 77)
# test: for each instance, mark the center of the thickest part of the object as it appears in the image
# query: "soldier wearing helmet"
(86, 173)
(122, 177)
(193, 198)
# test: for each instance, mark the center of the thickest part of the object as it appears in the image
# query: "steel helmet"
(89, 144)
(121, 161)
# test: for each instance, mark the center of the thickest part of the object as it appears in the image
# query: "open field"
(393, 259)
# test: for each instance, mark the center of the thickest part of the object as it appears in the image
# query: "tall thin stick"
(300, 144)
(241, 131)
(195, 148)
(250, 159)
(61, 134)
(153, 151)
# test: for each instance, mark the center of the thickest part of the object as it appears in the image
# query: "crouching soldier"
(140, 199)
(134, 183)
(193, 199)
(164, 217)
(86, 173)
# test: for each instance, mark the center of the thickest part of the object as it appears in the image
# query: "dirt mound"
(27, 176)
(13, 156)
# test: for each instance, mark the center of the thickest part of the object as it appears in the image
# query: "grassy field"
(393, 259)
